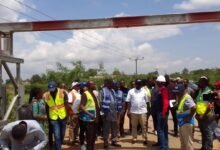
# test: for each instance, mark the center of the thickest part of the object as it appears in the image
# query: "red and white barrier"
(118, 22)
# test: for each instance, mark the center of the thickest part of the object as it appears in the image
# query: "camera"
(210, 96)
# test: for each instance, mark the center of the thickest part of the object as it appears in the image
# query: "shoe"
(122, 135)
(175, 134)
(156, 144)
(115, 144)
(145, 143)
(74, 142)
(83, 147)
(105, 146)
(134, 141)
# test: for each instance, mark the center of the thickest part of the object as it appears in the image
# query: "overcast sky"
(164, 48)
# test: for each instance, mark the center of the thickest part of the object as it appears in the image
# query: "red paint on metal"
(50, 25)
(129, 21)
(199, 17)
(204, 17)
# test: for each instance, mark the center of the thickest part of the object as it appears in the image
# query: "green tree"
(185, 71)
(116, 72)
(36, 79)
(91, 72)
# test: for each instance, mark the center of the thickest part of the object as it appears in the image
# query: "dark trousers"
(154, 116)
(162, 131)
(175, 121)
(88, 129)
(99, 126)
(50, 135)
(207, 134)
(109, 126)
(121, 124)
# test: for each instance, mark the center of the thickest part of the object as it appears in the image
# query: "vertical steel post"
(1, 93)
(0, 42)
(18, 81)
(136, 72)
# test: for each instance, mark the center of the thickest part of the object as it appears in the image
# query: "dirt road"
(174, 142)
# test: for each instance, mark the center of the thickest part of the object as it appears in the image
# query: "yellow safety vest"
(201, 105)
(89, 106)
(148, 91)
(183, 113)
(181, 104)
(56, 107)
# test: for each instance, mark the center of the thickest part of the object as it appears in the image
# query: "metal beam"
(10, 76)
(118, 22)
(11, 59)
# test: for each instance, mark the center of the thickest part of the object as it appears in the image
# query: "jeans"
(59, 127)
(162, 131)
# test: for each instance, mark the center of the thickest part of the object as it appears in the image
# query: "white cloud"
(114, 47)
(9, 10)
(196, 4)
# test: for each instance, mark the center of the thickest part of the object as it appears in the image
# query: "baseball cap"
(74, 84)
(138, 81)
(52, 86)
(179, 88)
(83, 84)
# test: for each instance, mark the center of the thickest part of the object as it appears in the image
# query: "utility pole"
(136, 62)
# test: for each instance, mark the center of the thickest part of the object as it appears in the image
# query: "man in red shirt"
(162, 102)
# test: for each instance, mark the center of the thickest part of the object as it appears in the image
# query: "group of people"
(90, 112)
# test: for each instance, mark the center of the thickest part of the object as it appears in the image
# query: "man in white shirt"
(74, 99)
(20, 135)
(138, 103)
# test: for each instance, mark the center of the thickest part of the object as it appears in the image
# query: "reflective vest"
(199, 97)
(148, 91)
(181, 113)
(56, 107)
(108, 96)
(201, 105)
(118, 99)
(90, 107)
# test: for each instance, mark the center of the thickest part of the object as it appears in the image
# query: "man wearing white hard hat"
(162, 102)
(74, 99)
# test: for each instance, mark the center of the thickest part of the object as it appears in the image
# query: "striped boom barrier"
(117, 22)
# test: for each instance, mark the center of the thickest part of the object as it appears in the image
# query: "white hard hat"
(161, 78)
(74, 84)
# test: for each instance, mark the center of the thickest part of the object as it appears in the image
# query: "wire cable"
(51, 35)
(44, 14)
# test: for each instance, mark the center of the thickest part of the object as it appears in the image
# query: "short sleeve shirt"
(189, 103)
(138, 100)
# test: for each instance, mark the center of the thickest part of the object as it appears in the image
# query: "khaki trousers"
(186, 137)
(142, 119)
